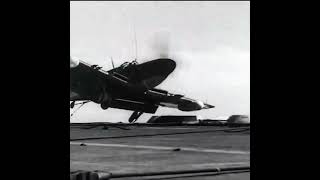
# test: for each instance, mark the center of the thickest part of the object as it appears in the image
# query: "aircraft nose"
(171, 65)
(156, 71)
(165, 66)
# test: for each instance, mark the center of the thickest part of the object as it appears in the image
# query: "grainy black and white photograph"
(160, 90)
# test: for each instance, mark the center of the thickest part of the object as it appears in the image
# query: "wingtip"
(208, 106)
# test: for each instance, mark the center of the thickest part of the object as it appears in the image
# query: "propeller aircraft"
(131, 86)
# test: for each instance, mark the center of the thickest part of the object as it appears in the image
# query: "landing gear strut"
(72, 104)
(134, 117)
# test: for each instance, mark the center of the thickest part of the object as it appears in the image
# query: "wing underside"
(134, 105)
(152, 99)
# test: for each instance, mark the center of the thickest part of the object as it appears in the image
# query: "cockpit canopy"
(127, 64)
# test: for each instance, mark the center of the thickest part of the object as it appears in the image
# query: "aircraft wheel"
(104, 106)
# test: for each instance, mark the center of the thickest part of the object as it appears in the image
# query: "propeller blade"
(161, 44)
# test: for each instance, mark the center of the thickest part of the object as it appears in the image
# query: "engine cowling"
(104, 99)
(105, 104)
(190, 105)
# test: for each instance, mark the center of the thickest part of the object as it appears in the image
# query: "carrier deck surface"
(144, 149)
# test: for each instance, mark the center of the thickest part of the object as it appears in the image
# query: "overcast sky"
(210, 41)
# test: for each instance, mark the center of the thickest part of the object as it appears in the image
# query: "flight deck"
(141, 151)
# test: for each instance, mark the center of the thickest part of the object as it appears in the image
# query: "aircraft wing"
(134, 105)
(166, 99)
(87, 81)
(152, 99)
(84, 81)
